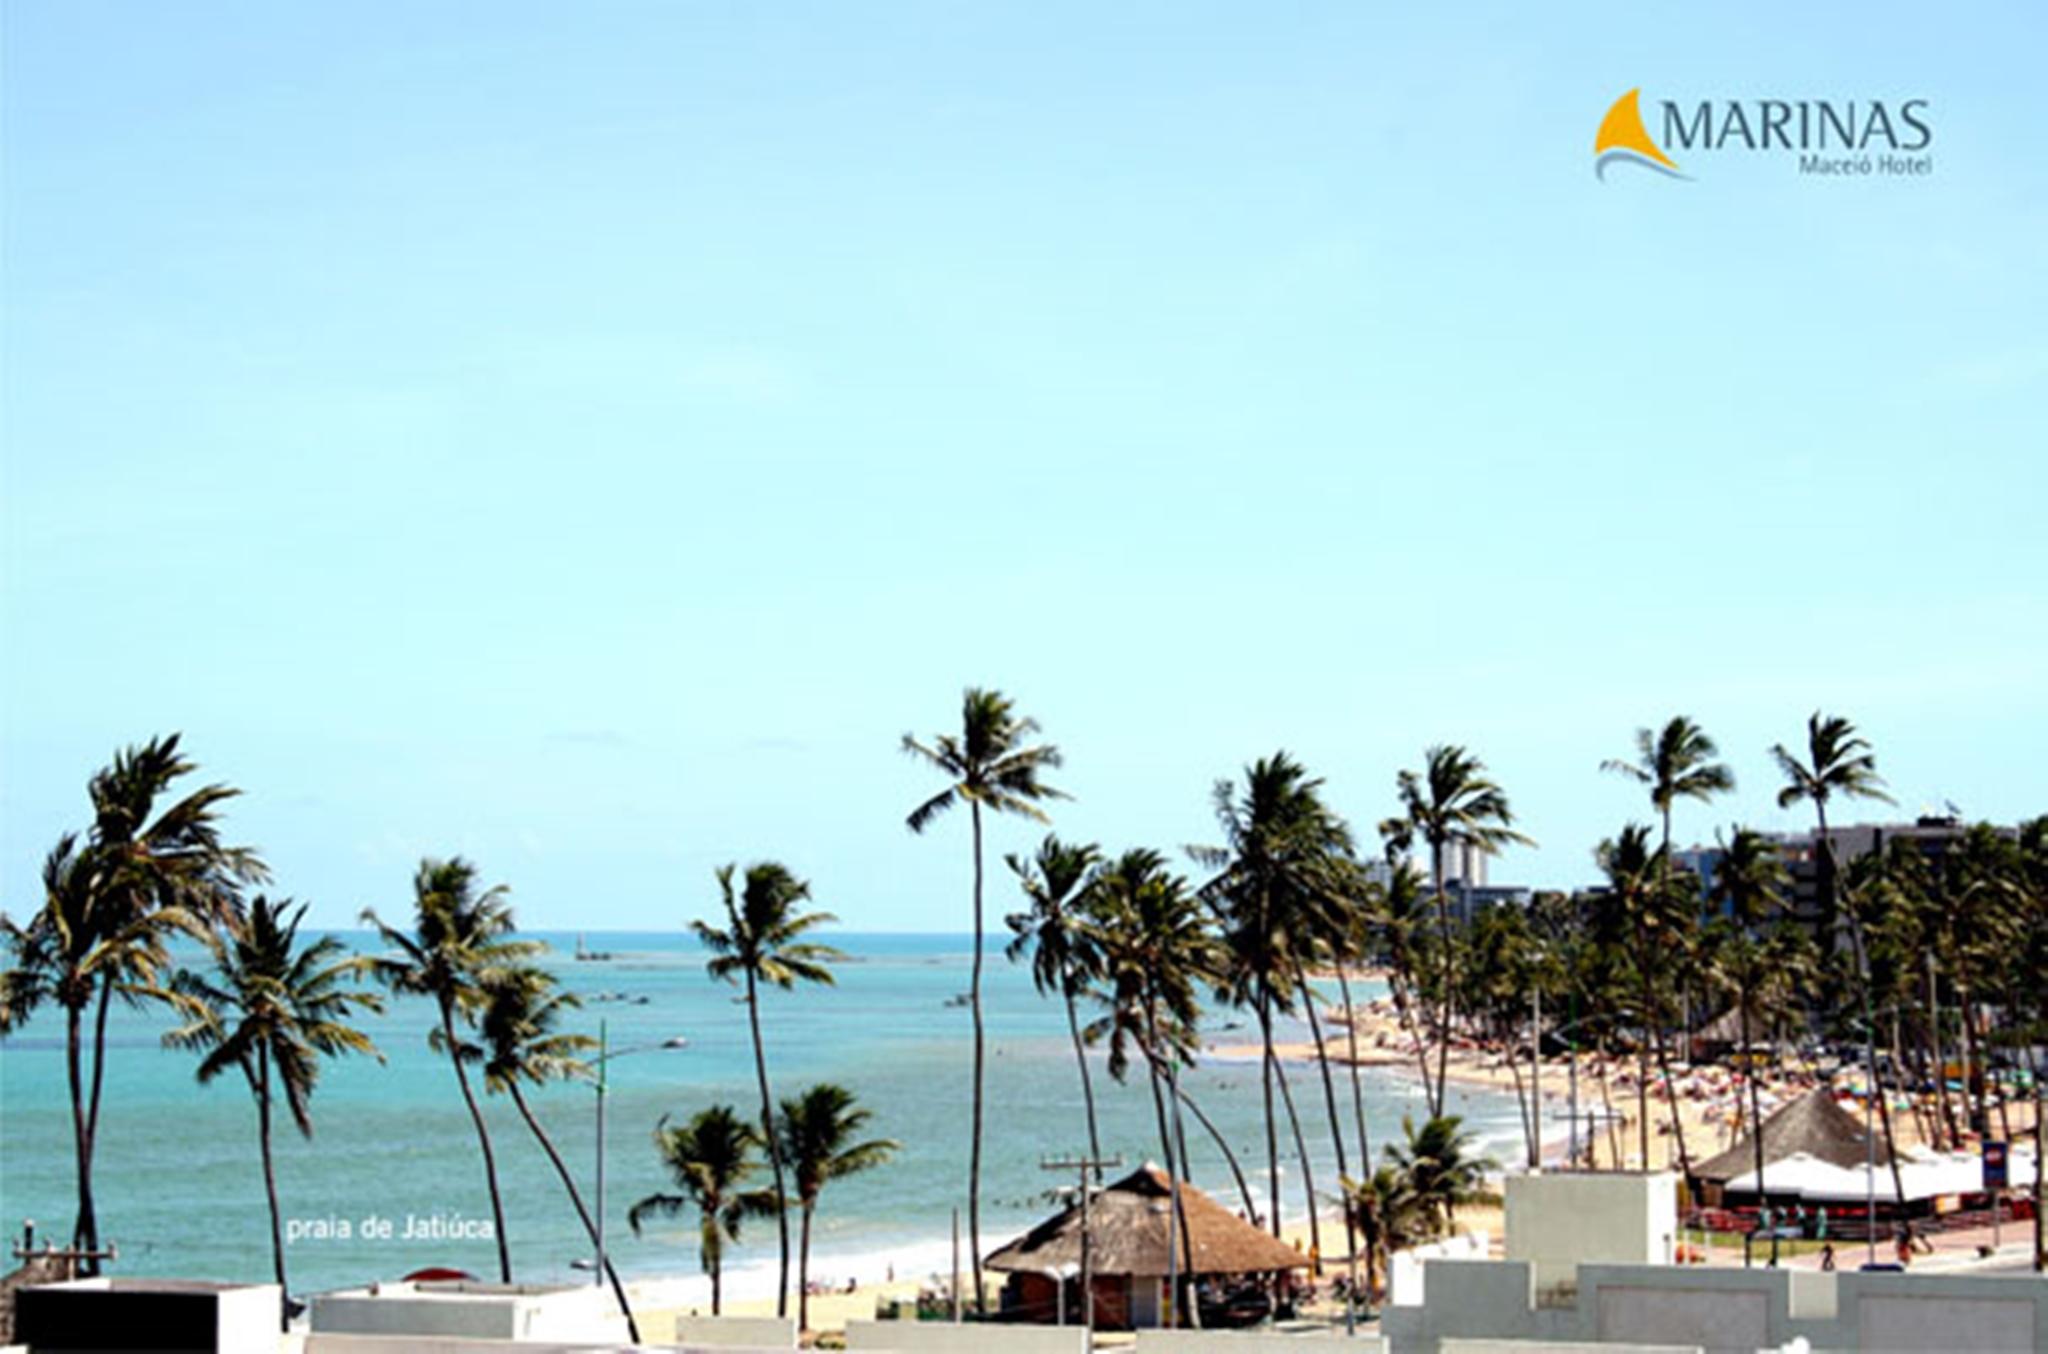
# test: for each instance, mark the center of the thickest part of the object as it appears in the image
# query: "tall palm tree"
(990, 764)
(272, 1011)
(819, 1125)
(711, 1159)
(459, 934)
(1748, 884)
(1655, 923)
(519, 1045)
(1053, 934)
(1838, 762)
(1282, 875)
(1156, 955)
(763, 942)
(1675, 762)
(144, 872)
(1451, 802)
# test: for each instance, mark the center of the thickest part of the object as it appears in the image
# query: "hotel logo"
(1853, 138)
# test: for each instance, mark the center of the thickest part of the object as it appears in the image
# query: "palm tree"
(1156, 954)
(1281, 882)
(1838, 762)
(1442, 1175)
(1674, 763)
(1054, 936)
(273, 1011)
(1386, 1216)
(819, 1125)
(1637, 906)
(1450, 803)
(1748, 884)
(763, 942)
(520, 1046)
(459, 934)
(710, 1158)
(991, 764)
(144, 873)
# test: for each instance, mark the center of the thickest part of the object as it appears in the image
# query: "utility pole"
(1536, 1075)
(1085, 1165)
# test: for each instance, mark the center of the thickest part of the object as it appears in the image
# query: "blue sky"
(587, 438)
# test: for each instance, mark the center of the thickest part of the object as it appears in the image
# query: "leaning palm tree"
(145, 871)
(459, 934)
(519, 1045)
(711, 1159)
(1451, 802)
(1054, 936)
(273, 1009)
(819, 1125)
(763, 942)
(991, 764)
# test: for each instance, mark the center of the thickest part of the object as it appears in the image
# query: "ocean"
(392, 1180)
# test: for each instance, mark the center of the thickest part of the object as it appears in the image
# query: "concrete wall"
(88, 1314)
(981, 1338)
(1724, 1311)
(568, 1315)
(1561, 1221)
(1557, 1347)
(1248, 1342)
(724, 1332)
(1407, 1269)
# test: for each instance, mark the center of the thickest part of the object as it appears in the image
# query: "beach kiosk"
(1129, 1233)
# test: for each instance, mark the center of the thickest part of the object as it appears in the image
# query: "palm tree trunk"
(1756, 1095)
(1308, 1177)
(1643, 1074)
(547, 1145)
(714, 1263)
(1677, 1119)
(483, 1137)
(1405, 1009)
(1607, 1103)
(85, 1230)
(1315, 1026)
(1357, 1091)
(1522, 1107)
(1188, 1312)
(768, 1138)
(974, 1146)
(1251, 1208)
(270, 1183)
(1265, 1015)
(1087, 1085)
(92, 1114)
(1443, 1030)
(803, 1274)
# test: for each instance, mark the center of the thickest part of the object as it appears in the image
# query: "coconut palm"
(1656, 923)
(1451, 802)
(1837, 762)
(763, 942)
(819, 1128)
(1053, 935)
(1675, 762)
(272, 1011)
(459, 934)
(990, 764)
(711, 1159)
(1748, 884)
(144, 872)
(1386, 1216)
(1281, 884)
(1442, 1174)
(519, 1046)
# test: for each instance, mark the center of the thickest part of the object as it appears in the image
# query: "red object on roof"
(436, 1274)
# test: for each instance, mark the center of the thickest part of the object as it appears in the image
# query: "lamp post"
(604, 1055)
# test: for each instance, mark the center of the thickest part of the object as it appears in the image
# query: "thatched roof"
(1813, 1124)
(1128, 1235)
(1726, 1028)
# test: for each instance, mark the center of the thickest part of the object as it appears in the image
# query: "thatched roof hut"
(1814, 1125)
(1128, 1235)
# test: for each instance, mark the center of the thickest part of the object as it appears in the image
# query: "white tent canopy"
(1925, 1175)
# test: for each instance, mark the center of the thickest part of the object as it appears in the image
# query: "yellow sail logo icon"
(1623, 138)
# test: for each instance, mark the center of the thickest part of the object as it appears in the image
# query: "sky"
(587, 438)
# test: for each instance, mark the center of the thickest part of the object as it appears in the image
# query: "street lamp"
(598, 1083)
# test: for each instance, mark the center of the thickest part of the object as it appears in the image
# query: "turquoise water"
(180, 1188)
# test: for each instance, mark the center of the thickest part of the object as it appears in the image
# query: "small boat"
(677, 1041)
(960, 999)
(586, 954)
